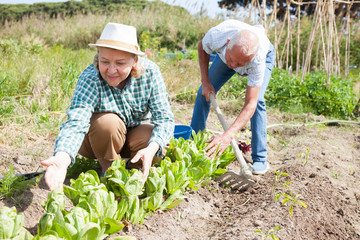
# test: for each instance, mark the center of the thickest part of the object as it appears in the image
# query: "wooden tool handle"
(234, 145)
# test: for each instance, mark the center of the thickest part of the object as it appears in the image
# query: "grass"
(39, 82)
(173, 26)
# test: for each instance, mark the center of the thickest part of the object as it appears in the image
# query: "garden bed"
(322, 164)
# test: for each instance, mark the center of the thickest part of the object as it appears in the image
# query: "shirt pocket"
(140, 109)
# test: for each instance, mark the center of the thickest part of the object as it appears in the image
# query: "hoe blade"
(235, 181)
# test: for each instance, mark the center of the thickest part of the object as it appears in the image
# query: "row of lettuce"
(102, 206)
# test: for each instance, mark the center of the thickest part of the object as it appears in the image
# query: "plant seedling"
(270, 233)
(335, 175)
(292, 200)
(306, 158)
(11, 185)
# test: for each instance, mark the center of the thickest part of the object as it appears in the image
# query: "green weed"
(304, 157)
(290, 199)
(335, 175)
(271, 233)
(11, 186)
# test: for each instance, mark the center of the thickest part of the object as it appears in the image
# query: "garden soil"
(321, 162)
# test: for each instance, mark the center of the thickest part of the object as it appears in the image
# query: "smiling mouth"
(113, 77)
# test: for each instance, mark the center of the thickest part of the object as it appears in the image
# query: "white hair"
(247, 41)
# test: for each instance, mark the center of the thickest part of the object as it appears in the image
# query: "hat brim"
(139, 53)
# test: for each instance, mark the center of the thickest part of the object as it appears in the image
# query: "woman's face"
(115, 65)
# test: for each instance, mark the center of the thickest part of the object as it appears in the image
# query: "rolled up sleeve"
(72, 132)
(162, 116)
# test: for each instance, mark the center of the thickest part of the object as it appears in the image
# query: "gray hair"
(136, 72)
(247, 41)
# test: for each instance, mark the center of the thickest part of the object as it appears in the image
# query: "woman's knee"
(106, 123)
(137, 138)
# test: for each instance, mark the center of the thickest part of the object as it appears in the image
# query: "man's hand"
(146, 155)
(206, 90)
(56, 169)
(218, 142)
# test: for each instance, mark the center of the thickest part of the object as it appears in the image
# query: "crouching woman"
(120, 108)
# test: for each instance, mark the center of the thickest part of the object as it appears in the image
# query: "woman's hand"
(146, 155)
(56, 169)
(220, 140)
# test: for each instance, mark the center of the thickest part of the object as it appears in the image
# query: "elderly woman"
(120, 107)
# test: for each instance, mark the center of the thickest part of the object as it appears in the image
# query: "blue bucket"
(183, 131)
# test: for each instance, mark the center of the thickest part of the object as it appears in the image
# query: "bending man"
(246, 50)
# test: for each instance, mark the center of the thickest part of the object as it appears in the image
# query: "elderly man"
(246, 50)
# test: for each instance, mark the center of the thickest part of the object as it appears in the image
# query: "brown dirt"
(329, 183)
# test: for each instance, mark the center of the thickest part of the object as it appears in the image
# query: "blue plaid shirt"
(143, 99)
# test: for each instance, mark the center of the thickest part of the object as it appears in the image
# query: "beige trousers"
(108, 138)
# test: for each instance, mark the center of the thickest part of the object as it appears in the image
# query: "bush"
(311, 95)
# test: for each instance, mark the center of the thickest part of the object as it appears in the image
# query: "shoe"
(260, 168)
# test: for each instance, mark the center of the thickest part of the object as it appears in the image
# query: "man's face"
(235, 58)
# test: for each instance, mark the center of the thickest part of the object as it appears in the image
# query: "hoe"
(240, 181)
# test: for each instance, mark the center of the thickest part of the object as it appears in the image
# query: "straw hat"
(119, 36)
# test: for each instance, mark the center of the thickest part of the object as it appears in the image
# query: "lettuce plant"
(100, 207)
(11, 224)
(73, 225)
(103, 204)
(55, 201)
(176, 175)
(127, 185)
(154, 189)
(81, 187)
(81, 222)
(200, 169)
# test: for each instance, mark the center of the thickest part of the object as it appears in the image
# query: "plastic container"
(183, 131)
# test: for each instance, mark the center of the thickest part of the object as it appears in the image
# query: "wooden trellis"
(324, 38)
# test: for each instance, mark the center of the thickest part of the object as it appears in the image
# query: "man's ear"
(227, 42)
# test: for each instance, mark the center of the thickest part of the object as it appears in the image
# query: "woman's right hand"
(56, 169)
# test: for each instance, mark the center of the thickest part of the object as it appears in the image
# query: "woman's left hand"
(146, 155)
(219, 140)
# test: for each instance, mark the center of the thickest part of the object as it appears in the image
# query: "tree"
(15, 12)
(307, 7)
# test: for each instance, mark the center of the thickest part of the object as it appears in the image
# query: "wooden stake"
(330, 45)
(315, 25)
(298, 41)
(250, 13)
(347, 44)
(288, 38)
(275, 39)
(323, 45)
(264, 14)
(317, 56)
